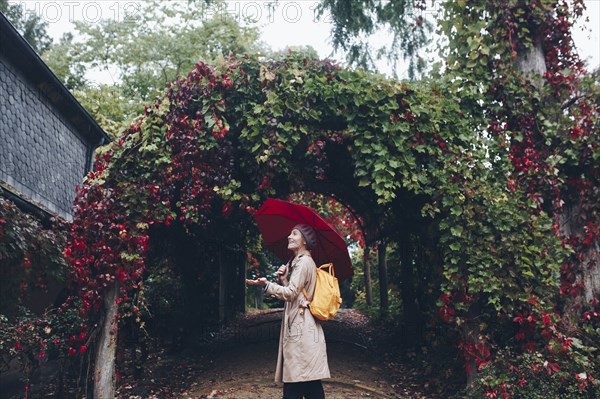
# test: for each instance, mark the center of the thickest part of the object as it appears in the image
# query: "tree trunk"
(61, 380)
(104, 368)
(240, 280)
(409, 295)
(470, 336)
(258, 297)
(571, 224)
(383, 283)
(570, 219)
(533, 61)
(367, 273)
(222, 289)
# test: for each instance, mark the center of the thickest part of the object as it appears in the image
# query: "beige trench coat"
(302, 350)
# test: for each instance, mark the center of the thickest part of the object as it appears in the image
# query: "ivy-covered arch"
(226, 137)
(207, 145)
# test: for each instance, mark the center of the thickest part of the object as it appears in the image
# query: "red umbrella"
(276, 219)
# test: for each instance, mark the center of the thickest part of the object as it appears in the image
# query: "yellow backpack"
(327, 299)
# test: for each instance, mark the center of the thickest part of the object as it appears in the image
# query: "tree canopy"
(143, 54)
(31, 26)
(355, 22)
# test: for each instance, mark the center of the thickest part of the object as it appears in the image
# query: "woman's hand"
(259, 281)
(282, 272)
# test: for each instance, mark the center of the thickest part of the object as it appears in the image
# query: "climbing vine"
(547, 127)
(30, 253)
(31, 258)
(226, 137)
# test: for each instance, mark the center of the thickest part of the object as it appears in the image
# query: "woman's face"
(296, 240)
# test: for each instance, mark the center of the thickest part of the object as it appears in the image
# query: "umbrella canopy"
(277, 218)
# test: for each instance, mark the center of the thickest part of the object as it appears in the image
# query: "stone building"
(47, 139)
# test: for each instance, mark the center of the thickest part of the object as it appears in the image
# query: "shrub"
(531, 376)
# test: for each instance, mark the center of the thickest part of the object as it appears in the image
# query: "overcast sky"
(292, 23)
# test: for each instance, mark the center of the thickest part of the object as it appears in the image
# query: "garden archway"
(207, 152)
(225, 138)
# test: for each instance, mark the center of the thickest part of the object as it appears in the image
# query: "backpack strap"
(305, 296)
(328, 266)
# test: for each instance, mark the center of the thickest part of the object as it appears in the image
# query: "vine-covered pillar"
(383, 281)
(531, 61)
(104, 369)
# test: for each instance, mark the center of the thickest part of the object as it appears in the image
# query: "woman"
(302, 358)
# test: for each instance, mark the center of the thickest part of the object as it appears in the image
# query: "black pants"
(306, 390)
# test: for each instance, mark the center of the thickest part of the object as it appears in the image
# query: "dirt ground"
(243, 364)
(247, 372)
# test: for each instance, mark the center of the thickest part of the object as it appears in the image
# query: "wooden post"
(367, 273)
(383, 283)
(104, 368)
